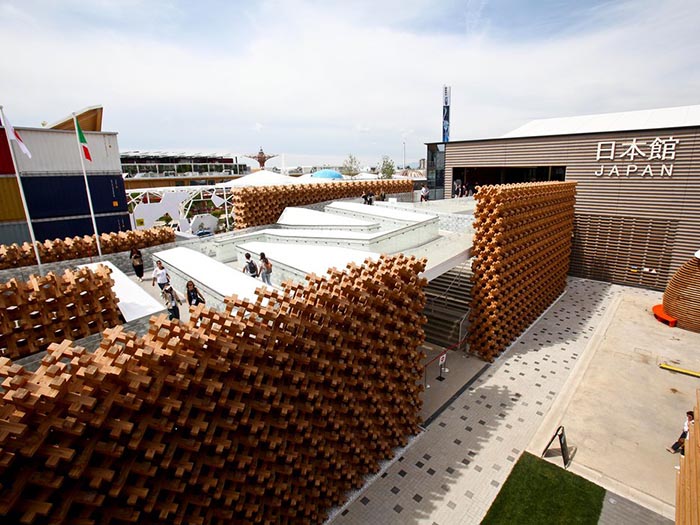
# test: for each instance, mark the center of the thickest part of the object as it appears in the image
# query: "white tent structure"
(258, 178)
(366, 176)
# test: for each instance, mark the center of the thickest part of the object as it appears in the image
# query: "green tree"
(351, 166)
(386, 168)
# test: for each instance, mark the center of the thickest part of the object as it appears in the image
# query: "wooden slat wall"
(688, 478)
(664, 212)
(682, 296)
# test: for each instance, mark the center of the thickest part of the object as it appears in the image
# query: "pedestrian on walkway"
(265, 268)
(424, 193)
(160, 275)
(194, 297)
(137, 262)
(172, 300)
(250, 267)
(679, 445)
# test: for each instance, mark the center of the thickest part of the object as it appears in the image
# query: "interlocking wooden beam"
(49, 309)
(267, 412)
(257, 205)
(521, 250)
(15, 255)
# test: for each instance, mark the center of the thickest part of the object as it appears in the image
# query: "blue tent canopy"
(326, 174)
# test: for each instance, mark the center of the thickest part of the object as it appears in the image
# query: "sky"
(315, 81)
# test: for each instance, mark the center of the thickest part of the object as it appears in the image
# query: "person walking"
(265, 268)
(137, 262)
(172, 300)
(679, 445)
(194, 297)
(250, 267)
(160, 275)
(424, 193)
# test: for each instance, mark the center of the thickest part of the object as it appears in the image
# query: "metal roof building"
(637, 213)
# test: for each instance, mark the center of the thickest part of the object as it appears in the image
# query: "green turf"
(538, 492)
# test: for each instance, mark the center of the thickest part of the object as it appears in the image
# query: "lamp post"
(404, 154)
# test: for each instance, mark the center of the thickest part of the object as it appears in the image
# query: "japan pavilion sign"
(653, 158)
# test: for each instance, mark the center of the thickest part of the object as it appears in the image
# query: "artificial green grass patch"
(538, 492)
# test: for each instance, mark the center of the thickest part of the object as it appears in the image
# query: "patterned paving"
(452, 474)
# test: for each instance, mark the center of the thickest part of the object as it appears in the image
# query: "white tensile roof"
(258, 178)
(679, 117)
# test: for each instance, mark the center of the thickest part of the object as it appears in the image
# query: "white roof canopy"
(679, 117)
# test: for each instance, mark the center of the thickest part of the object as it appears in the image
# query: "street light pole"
(404, 154)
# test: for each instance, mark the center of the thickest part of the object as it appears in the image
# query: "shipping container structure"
(637, 214)
(54, 186)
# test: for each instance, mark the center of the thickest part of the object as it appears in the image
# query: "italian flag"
(83, 142)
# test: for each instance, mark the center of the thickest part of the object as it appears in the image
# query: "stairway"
(448, 301)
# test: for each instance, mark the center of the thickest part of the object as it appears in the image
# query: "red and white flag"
(12, 134)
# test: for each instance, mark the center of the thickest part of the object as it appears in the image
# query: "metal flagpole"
(21, 193)
(87, 186)
(228, 227)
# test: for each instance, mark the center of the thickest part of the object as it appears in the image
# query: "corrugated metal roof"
(678, 117)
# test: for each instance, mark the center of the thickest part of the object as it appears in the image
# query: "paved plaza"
(454, 470)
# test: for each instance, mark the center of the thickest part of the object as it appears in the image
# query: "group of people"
(161, 277)
(252, 269)
(466, 189)
(171, 297)
(194, 297)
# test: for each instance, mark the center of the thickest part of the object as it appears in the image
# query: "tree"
(351, 166)
(386, 168)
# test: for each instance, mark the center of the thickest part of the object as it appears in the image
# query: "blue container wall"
(60, 229)
(61, 196)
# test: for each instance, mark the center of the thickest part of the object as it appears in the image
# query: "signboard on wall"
(634, 157)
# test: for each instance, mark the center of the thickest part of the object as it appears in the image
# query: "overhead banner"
(446, 95)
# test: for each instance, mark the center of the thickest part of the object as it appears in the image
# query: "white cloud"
(329, 81)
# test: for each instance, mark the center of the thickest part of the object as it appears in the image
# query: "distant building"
(54, 185)
(157, 169)
(637, 215)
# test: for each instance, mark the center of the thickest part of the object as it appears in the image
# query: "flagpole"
(21, 193)
(87, 186)
(226, 209)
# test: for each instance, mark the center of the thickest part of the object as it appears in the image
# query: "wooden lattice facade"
(258, 205)
(14, 255)
(688, 478)
(682, 296)
(267, 412)
(521, 250)
(49, 309)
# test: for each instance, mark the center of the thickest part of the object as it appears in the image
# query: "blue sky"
(315, 80)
